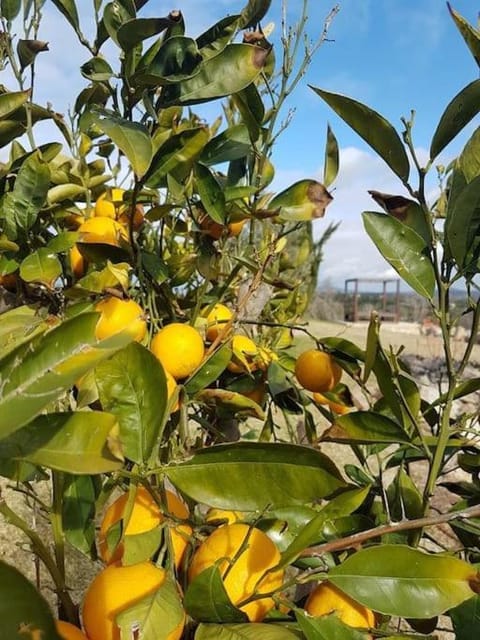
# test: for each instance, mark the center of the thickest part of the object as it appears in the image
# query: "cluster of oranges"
(247, 560)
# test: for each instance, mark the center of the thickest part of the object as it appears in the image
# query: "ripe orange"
(102, 230)
(110, 204)
(77, 262)
(179, 347)
(69, 631)
(116, 589)
(326, 598)
(171, 386)
(216, 321)
(244, 573)
(235, 228)
(145, 516)
(317, 370)
(336, 407)
(244, 356)
(120, 315)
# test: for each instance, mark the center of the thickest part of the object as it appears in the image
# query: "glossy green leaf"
(38, 372)
(176, 60)
(214, 40)
(207, 601)
(131, 137)
(176, 156)
(468, 163)
(132, 386)
(250, 105)
(466, 619)
(115, 15)
(23, 610)
(230, 71)
(469, 33)
(19, 325)
(283, 525)
(29, 193)
(230, 401)
(462, 221)
(11, 101)
(210, 192)
(365, 427)
(459, 112)
(14, 127)
(246, 631)
(405, 501)
(247, 476)
(328, 627)
(41, 266)
(305, 200)
(62, 242)
(403, 249)
(78, 443)
(157, 615)
(253, 12)
(9, 9)
(232, 144)
(113, 275)
(78, 511)
(401, 581)
(377, 132)
(97, 69)
(311, 533)
(140, 547)
(331, 162)
(136, 30)
(209, 370)
(69, 10)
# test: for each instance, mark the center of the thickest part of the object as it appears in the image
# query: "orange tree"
(151, 285)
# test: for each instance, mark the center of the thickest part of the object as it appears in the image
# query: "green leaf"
(304, 200)
(462, 220)
(29, 193)
(41, 266)
(157, 616)
(11, 101)
(97, 69)
(207, 601)
(77, 443)
(78, 511)
(459, 112)
(140, 547)
(247, 631)
(330, 167)
(214, 40)
(247, 476)
(135, 31)
(23, 610)
(230, 71)
(469, 33)
(311, 533)
(232, 144)
(253, 12)
(210, 192)
(175, 61)
(69, 10)
(19, 325)
(132, 138)
(468, 162)
(400, 581)
(209, 370)
(41, 370)
(403, 249)
(133, 387)
(176, 156)
(377, 132)
(114, 16)
(365, 427)
(251, 108)
(466, 619)
(328, 627)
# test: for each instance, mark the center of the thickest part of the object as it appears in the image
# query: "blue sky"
(394, 55)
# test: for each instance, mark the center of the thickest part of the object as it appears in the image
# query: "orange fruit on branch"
(110, 204)
(69, 631)
(244, 556)
(180, 349)
(102, 230)
(326, 598)
(317, 371)
(217, 318)
(120, 315)
(244, 355)
(145, 516)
